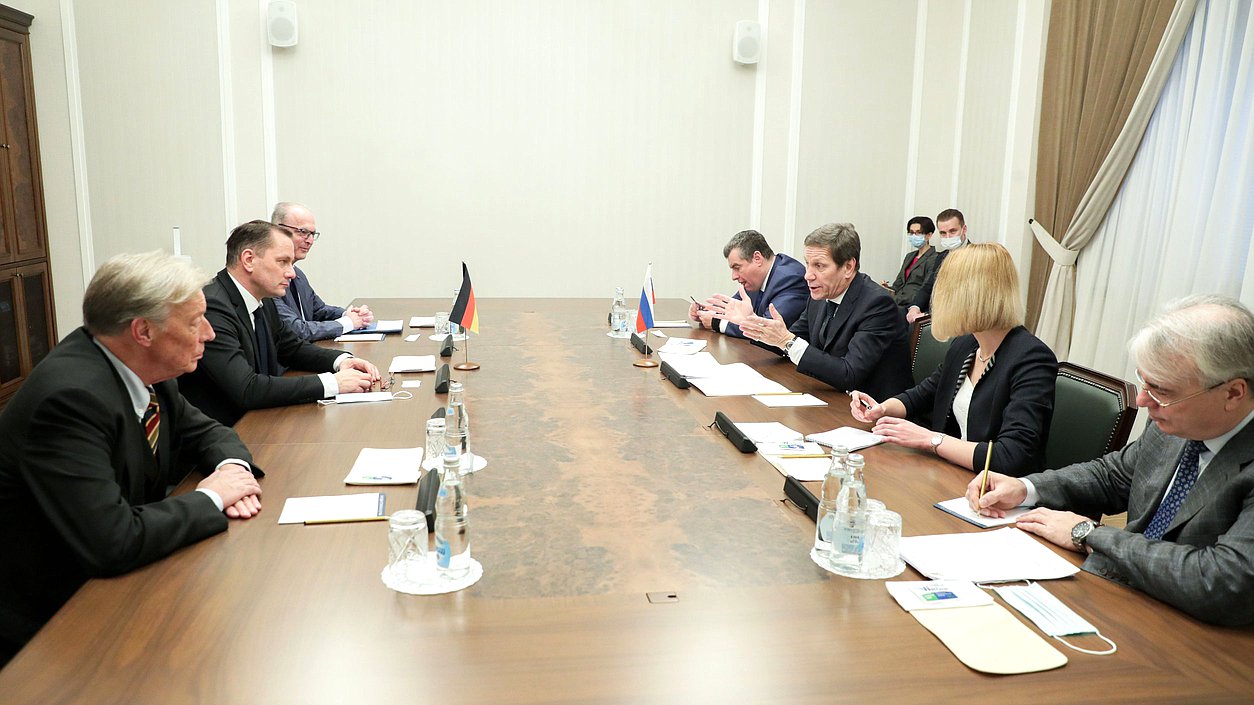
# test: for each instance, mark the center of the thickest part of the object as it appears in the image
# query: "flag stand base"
(645, 363)
(466, 366)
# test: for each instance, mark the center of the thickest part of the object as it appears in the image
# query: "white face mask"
(1049, 614)
(949, 243)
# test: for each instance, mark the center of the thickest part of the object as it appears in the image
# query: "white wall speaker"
(281, 27)
(747, 43)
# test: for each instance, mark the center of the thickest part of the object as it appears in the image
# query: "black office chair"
(926, 352)
(1093, 415)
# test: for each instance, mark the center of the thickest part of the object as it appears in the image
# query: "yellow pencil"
(807, 455)
(988, 456)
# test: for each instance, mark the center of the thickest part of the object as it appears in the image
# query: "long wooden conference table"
(604, 483)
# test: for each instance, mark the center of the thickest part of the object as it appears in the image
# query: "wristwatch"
(789, 344)
(936, 441)
(1080, 533)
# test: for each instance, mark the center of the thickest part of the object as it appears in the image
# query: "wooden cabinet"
(27, 321)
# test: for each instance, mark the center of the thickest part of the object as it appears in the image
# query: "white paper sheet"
(847, 436)
(776, 401)
(361, 338)
(961, 509)
(736, 379)
(937, 594)
(999, 556)
(344, 507)
(386, 466)
(701, 364)
(358, 397)
(422, 322)
(804, 469)
(682, 346)
(412, 363)
(768, 432)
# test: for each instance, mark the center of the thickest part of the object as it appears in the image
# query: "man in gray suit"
(300, 307)
(1187, 483)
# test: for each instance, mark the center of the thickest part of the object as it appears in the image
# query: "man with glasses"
(300, 307)
(1187, 483)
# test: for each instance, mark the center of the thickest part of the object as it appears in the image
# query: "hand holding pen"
(864, 408)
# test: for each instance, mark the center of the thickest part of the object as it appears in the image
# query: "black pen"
(700, 306)
(863, 402)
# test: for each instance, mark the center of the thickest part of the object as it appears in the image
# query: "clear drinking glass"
(407, 546)
(435, 443)
(441, 323)
(881, 554)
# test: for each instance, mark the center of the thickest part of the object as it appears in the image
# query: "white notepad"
(998, 556)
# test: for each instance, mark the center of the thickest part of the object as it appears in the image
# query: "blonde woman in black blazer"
(996, 386)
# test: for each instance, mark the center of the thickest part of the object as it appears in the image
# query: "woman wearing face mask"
(994, 392)
(917, 267)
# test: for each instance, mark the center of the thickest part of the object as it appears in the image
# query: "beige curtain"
(1105, 66)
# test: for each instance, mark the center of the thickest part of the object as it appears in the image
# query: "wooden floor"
(604, 484)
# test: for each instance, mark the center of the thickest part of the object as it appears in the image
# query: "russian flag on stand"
(644, 314)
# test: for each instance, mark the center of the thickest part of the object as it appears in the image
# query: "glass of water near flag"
(644, 318)
(466, 315)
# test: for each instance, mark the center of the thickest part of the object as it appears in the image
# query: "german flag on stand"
(464, 313)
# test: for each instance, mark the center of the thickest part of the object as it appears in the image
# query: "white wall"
(556, 145)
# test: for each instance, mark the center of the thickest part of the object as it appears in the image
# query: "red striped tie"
(152, 421)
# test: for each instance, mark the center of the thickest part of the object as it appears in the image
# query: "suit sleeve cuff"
(217, 500)
(1033, 497)
(797, 350)
(345, 322)
(329, 386)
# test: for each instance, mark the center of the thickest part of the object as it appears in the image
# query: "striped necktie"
(152, 421)
(1185, 477)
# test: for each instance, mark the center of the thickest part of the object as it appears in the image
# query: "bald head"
(298, 221)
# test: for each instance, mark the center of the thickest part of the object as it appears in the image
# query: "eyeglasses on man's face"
(1163, 399)
(312, 234)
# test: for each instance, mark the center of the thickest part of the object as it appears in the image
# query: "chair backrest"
(1093, 415)
(926, 352)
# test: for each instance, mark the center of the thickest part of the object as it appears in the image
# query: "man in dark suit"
(97, 433)
(953, 234)
(300, 307)
(851, 334)
(766, 279)
(241, 369)
(1187, 483)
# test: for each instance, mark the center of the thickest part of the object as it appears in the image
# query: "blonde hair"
(138, 286)
(977, 289)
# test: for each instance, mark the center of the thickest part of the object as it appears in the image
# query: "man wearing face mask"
(919, 265)
(850, 335)
(953, 234)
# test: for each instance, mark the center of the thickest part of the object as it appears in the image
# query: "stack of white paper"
(386, 466)
(847, 436)
(682, 346)
(960, 508)
(345, 507)
(737, 379)
(998, 556)
(699, 364)
(412, 363)
(422, 322)
(768, 432)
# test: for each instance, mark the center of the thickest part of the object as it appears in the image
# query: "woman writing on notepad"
(996, 385)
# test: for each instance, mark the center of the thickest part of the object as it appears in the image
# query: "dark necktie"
(829, 312)
(1185, 477)
(261, 334)
(152, 421)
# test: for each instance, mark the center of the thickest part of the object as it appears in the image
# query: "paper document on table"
(782, 400)
(790, 448)
(412, 363)
(701, 364)
(998, 556)
(768, 432)
(960, 508)
(736, 380)
(380, 327)
(682, 346)
(847, 436)
(344, 507)
(803, 469)
(358, 397)
(670, 324)
(386, 466)
(422, 322)
(361, 338)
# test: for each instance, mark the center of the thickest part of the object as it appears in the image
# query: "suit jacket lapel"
(843, 312)
(1237, 452)
(242, 313)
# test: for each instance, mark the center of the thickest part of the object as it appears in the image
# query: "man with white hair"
(1187, 483)
(97, 433)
